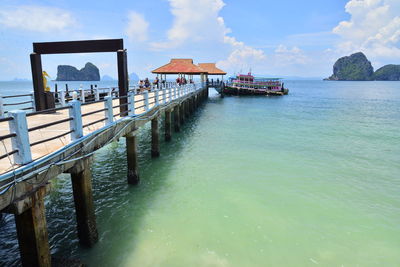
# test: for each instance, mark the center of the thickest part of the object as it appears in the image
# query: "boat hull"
(237, 91)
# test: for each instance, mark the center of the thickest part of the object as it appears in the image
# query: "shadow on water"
(119, 206)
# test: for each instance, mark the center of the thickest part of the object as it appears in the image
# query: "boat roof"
(269, 79)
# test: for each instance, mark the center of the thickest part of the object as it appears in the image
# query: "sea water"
(311, 178)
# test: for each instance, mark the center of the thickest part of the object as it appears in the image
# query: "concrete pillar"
(155, 138)
(32, 233)
(81, 178)
(168, 128)
(131, 153)
(177, 119)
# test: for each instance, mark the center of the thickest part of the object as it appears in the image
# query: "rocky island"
(357, 67)
(69, 73)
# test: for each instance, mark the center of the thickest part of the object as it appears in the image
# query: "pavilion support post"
(81, 178)
(155, 138)
(132, 157)
(168, 125)
(123, 85)
(32, 232)
(37, 79)
(177, 119)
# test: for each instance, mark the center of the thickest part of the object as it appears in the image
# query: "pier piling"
(32, 232)
(182, 112)
(177, 119)
(83, 197)
(131, 151)
(168, 125)
(155, 139)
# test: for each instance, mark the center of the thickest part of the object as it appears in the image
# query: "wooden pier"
(38, 146)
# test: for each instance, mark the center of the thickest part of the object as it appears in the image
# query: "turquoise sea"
(308, 179)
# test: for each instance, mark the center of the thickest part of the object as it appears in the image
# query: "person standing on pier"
(156, 82)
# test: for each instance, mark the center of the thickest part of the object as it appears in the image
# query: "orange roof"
(211, 69)
(179, 66)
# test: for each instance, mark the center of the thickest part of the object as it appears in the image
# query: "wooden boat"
(250, 85)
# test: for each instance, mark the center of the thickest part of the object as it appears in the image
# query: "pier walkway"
(36, 147)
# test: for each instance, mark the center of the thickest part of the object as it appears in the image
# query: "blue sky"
(285, 38)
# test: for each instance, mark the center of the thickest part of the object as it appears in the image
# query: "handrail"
(6, 119)
(8, 154)
(93, 112)
(50, 139)
(93, 122)
(49, 124)
(6, 136)
(13, 96)
(15, 104)
(47, 111)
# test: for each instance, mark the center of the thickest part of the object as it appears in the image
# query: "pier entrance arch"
(42, 101)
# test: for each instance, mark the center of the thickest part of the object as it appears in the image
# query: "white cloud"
(137, 28)
(242, 56)
(374, 28)
(290, 56)
(194, 21)
(36, 18)
(199, 22)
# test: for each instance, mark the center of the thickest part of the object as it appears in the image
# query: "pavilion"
(180, 67)
(185, 66)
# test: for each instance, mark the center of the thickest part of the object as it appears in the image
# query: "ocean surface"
(308, 179)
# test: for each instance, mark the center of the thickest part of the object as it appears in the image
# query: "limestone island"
(69, 73)
(357, 67)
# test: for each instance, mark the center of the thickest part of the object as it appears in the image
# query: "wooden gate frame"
(86, 46)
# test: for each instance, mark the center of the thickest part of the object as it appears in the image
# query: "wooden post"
(155, 139)
(123, 79)
(83, 197)
(37, 79)
(177, 120)
(131, 153)
(168, 125)
(32, 232)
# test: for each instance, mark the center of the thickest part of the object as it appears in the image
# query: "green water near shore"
(312, 178)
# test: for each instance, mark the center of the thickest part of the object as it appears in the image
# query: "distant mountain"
(388, 73)
(69, 73)
(107, 78)
(357, 67)
(353, 68)
(133, 77)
